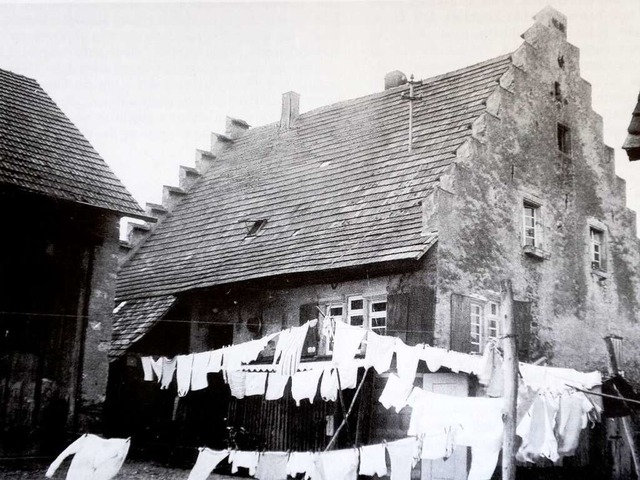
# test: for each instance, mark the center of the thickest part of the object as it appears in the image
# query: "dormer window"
(255, 227)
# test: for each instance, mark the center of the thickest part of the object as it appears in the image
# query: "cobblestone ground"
(130, 470)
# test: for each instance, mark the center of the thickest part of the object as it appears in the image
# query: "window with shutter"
(308, 312)
(522, 317)
(460, 323)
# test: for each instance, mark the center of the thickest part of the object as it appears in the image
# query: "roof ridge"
(19, 75)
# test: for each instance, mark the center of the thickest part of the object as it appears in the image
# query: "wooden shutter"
(522, 317)
(421, 312)
(460, 323)
(397, 315)
(309, 311)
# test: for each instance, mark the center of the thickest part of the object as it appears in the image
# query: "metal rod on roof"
(411, 97)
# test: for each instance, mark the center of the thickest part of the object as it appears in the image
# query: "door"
(455, 467)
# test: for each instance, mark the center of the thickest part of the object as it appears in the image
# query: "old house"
(400, 211)
(61, 209)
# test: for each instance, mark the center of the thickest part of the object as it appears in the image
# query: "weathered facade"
(402, 225)
(61, 207)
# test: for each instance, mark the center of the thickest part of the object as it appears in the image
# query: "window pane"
(379, 307)
(357, 304)
(335, 311)
(357, 320)
(378, 322)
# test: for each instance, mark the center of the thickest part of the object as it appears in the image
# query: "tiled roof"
(632, 142)
(134, 318)
(41, 151)
(340, 189)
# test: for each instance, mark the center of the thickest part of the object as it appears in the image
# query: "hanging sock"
(276, 384)
(404, 455)
(338, 464)
(373, 460)
(329, 385)
(346, 343)
(237, 383)
(304, 385)
(94, 458)
(255, 383)
(199, 371)
(146, 368)
(168, 369)
(379, 351)
(183, 373)
(206, 463)
(272, 466)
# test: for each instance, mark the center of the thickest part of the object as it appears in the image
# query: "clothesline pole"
(626, 425)
(343, 407)
(510, 365)
(346, 417)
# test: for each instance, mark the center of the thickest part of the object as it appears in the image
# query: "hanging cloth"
(146, 368)
(199, 370)
(302, 463)
(255, 383)
(373, 460)
(536, 430)
(183, 373)
(168, 369)
(237, 383)
(346, 342)
(403, 455)
(379, 351)
(395, 393)
(156, 366)
(329, 385)
(242, 459)
(206, 463)
(215, 361)
(407, 360)
(304, 385)
(338, 464)
(276, 385)
(272, 466)
(289, 349)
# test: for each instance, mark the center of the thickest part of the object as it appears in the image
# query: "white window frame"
(535, 240)
(597, 248)
(360, 312)
(380, 330)
(493, 331)
(476, 322)
(329, 323)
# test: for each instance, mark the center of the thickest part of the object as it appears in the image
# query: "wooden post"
(510, 365)
(627, 426)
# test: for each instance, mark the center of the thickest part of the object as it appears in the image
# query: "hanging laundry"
(395, 393)
(348, 377)
(438, 445)
(289, 349)
(156, 366)
(147, 369)
(241, 459)
(168, 369)
(572, 418)
(407, 360)
(462, 362)
(373, 460)
(557, 379)
(329, 385)
(272, 466)
(199, 371)
(276, 385)
(237, 383)
(304, 385)
(379, 351)
(94, 458)
(484, 459)
(433, 357)
(249, 351)
(215, 361)
(255, 383)
(183, 373)
(536, 430)
(488, 359)
(403, 456)
(338, 464)
(492, 375)
(206, 463)
(231, 359)
(302, 463)
(346, 342)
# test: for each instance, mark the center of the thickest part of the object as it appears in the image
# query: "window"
(493, 325)
(531, 214)
(334, 312)
(476, 327)
(356, 311)
(564, 139)
(378, 316)
(597, 248)
(253, 228)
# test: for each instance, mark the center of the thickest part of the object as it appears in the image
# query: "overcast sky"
(147, 83)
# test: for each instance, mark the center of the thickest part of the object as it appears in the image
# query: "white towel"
(255, 383)
(199, 370)
(304, 385)
(347, 342)
(373, 460)
(379, 351)
(276, 384)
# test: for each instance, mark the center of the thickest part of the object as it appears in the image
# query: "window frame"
(601, 263)
(536, 208)
(476, 328)
(563, 138)
(376, 315)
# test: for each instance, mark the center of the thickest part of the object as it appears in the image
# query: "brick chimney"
(290, 110)
(394, 79)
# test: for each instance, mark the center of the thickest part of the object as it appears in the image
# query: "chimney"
(550, 17)
(290, 110)
(235, 128)
(394, 79)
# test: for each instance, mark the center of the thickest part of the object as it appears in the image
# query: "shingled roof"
(340, 189)
(632, 142)
(42, 152)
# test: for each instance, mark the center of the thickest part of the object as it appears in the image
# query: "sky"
(146, 83)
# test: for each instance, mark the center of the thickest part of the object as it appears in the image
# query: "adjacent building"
(61, 209)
